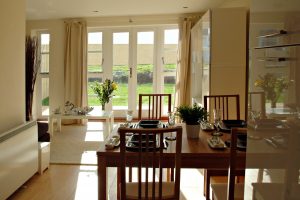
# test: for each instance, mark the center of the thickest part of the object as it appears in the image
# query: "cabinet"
(219, 54)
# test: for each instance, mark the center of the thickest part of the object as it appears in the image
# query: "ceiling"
(55, 9)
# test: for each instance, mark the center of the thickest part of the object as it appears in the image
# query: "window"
(139, 59)
(95, 61)
(43, 77)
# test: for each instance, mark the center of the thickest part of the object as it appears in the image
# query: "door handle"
(130, 72)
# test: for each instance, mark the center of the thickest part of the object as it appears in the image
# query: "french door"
(140, 60)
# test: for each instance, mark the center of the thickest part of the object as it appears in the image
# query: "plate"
(226, 125)
(216, 145)
(149, 123)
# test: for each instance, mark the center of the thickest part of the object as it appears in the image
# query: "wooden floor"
(69, 182)
(79, 182)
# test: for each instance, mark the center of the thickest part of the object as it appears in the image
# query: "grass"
(121, 95)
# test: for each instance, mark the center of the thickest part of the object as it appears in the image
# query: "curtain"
(183, 73)
(75, 66)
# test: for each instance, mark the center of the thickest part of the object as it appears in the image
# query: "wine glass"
(217, 120)
(171, 122)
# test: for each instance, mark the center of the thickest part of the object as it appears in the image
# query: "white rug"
(77, 144)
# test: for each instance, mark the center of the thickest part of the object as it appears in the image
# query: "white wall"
(12, 63)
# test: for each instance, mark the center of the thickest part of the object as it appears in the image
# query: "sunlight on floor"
(95, 126)
(87, 183)
(92, 136)
(89, 157)
(191, 184)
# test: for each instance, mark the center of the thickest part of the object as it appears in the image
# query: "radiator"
(18, 157)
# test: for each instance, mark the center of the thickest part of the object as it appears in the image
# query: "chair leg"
(130, 174)
(207, 185)
(204, 182)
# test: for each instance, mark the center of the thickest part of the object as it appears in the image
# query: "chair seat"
(167, 190)
(220, 191)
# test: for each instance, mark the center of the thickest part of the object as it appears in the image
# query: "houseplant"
(32, 65)
(104, 91)
(192, 116)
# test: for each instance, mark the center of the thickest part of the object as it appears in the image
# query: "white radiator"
(18, 157)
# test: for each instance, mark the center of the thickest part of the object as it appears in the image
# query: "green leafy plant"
(191, 115)
(104, 90)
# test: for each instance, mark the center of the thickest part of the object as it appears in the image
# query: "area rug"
(77, 144)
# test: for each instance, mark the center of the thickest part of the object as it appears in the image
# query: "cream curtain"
(183, 74)
(75, 72)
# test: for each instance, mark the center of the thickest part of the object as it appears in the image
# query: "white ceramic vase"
(192, 131)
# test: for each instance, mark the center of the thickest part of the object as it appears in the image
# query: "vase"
(192, 131)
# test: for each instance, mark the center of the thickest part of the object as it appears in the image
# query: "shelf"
(278, 46)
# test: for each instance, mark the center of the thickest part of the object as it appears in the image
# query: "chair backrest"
(150, 155)
(155, 105)
(232, 172)
(229, 104)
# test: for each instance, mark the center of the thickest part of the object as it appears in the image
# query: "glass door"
(139, 60)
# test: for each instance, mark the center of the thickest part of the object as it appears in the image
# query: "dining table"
(195, 153)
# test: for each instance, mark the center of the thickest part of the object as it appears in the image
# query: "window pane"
(95, 52)
(170, 61)
(45, 41)
(92, 98)
(121, 69)
(145, 48)
(45, 96)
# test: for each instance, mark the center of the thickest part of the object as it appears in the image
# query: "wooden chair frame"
(222, 102)
(155, 106)
(149, 159)
(219, 102)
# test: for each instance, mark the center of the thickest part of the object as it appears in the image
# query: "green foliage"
(191, 115)
(45, 101)
(104, 90)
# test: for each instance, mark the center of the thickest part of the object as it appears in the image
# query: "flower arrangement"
(273, 86)
(104, 91)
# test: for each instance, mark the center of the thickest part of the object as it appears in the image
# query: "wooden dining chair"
(154, 108)
(231, 190)
(151, 154)
(230, 106)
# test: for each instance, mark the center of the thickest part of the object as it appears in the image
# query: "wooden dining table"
(196, 153)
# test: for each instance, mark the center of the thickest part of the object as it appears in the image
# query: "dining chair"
(154, 109)
(230, 106)
(151, 153)
(231, 190)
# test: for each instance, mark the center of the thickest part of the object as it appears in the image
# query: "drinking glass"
(171, 122)
(171, 118)
(129, 117)
(217, 119)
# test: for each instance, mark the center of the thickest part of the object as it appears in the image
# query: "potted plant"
(192, 116)
(104, 91)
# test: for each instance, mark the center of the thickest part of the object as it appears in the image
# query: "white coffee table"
(108, 116)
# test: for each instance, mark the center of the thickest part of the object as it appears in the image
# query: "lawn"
(121, 95)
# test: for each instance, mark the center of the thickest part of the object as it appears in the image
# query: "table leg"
(58, 124)
(50, 125)
(102, 179)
